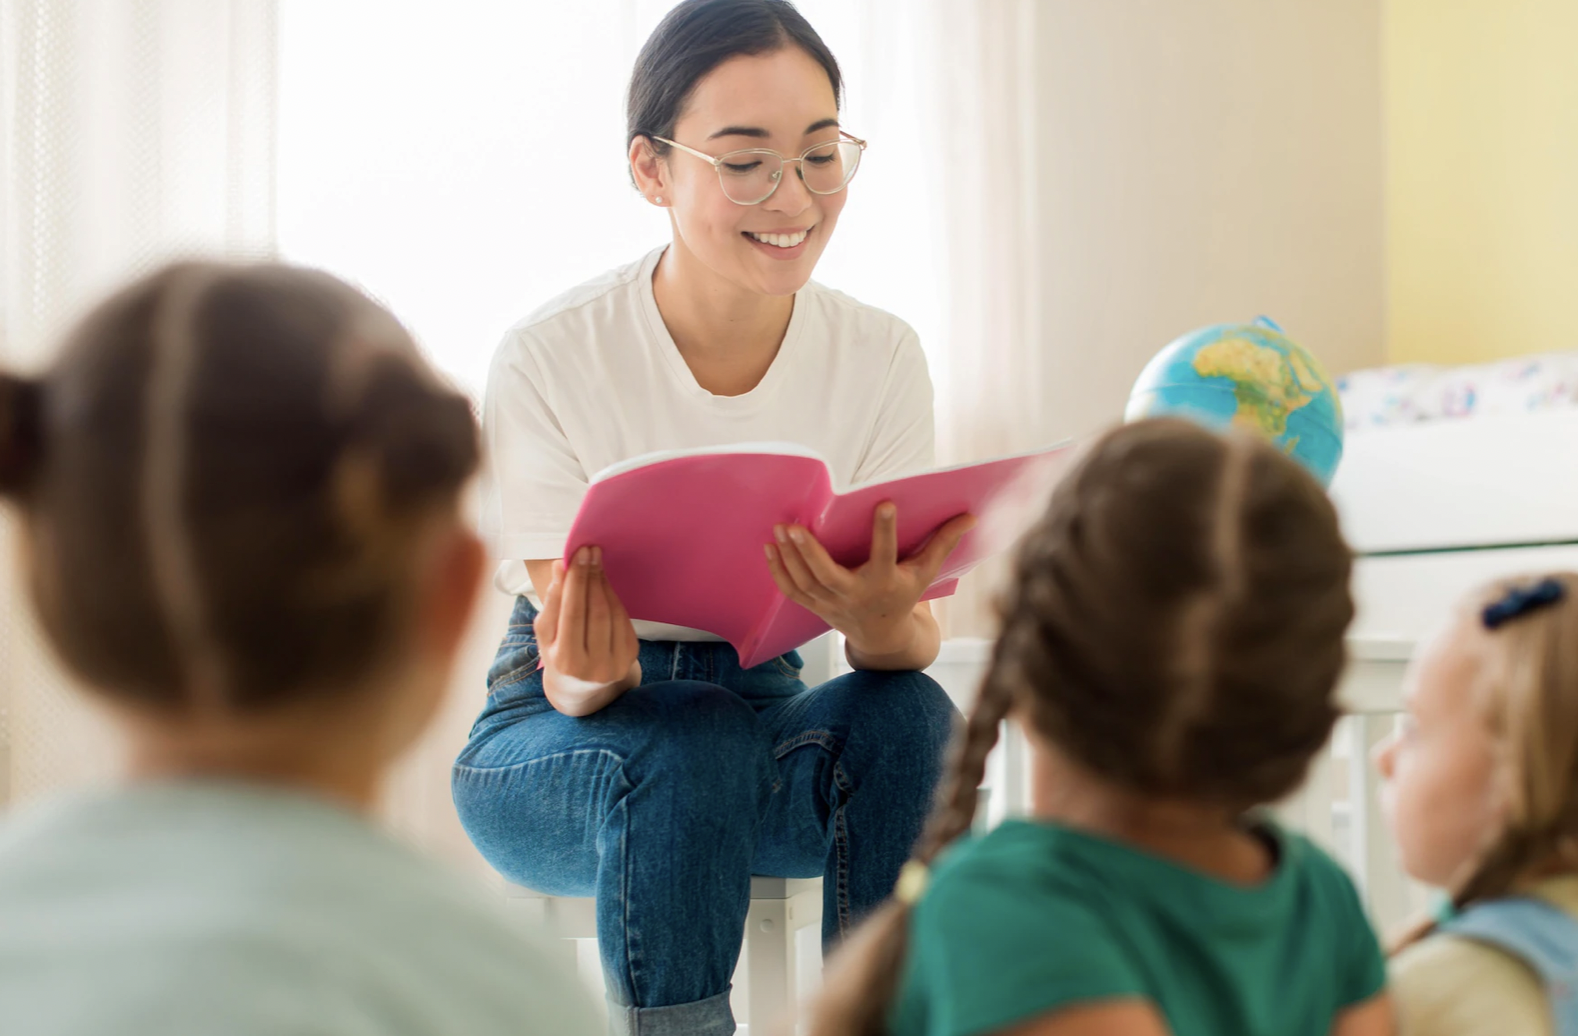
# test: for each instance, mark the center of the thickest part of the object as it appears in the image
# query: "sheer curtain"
(130, 131)
(473, 168)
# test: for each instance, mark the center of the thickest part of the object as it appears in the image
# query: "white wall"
(1204, 162)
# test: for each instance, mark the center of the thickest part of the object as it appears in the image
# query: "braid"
(960, 792)
(1507, 861)
(865, 978)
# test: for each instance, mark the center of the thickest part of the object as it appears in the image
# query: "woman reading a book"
(640, 763)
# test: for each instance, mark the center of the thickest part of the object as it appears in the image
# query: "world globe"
(1249, 376)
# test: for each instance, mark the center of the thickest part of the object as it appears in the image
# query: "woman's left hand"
(873, 605)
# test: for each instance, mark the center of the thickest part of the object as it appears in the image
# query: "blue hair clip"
(1521, 600)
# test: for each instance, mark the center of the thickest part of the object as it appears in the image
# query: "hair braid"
(858, 990)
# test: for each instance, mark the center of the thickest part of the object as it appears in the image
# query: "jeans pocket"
(516, 661)
(790, 664)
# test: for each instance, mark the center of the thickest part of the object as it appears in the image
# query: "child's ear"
(451, 591)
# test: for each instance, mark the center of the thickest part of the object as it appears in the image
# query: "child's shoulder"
(1016, 874)
(1309, 862)
(1453, 986)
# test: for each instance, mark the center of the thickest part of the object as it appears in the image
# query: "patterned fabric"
(1411, 393)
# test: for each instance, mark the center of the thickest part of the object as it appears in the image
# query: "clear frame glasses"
(750, 176)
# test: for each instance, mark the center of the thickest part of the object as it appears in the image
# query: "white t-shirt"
(594, 378)
(196, 908)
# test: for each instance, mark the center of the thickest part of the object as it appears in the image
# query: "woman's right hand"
(588, 645)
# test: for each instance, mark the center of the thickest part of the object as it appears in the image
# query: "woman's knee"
(908, 709)
(699, 735)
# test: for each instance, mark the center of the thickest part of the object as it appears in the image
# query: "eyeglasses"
(750, 177)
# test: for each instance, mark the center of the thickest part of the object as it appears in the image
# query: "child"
(1482, 796)
(238, 491)
(1171, 641)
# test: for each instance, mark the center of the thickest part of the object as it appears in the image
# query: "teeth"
(781, 240)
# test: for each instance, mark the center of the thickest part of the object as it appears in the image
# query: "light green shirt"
(1034, 917)
(208, 908)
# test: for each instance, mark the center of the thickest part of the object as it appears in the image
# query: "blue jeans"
(665, 803)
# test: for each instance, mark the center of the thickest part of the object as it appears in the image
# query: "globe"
(1249, 376)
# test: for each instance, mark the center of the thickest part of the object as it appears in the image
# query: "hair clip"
(914, 876)
(1520, 600)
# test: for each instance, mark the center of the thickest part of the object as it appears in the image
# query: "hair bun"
(21, 431)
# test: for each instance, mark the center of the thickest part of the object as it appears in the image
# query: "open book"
(682, 531)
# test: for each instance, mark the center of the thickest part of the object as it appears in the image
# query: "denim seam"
(841, 853)
(821, 738)
(519, 674)
(619, 761)
(625, 882)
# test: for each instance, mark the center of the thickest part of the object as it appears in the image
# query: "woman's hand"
(875, 605)
(584, 634)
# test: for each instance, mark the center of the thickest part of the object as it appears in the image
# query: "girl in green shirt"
(1171, 640)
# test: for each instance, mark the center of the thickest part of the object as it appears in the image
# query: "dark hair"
(1174, 626)
(221, 480)
(696, 37)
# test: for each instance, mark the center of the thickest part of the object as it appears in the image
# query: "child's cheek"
(1441, 816)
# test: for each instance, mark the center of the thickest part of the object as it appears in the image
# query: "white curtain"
(130, 131)
(988, 355)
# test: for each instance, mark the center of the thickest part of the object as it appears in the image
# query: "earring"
(658, 200)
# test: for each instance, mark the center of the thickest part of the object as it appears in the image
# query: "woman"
(640, 763)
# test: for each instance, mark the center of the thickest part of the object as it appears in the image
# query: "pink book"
(682, 532)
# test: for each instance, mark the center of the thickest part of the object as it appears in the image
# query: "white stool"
(780, 909)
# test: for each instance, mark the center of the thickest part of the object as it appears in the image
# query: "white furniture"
(1495, 482)
(784, 913)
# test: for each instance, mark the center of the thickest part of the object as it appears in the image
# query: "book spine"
(818, 510)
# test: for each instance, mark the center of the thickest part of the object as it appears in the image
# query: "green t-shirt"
(1033, 917)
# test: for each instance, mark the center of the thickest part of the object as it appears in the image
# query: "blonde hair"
(1528, 685)
(1174, 626)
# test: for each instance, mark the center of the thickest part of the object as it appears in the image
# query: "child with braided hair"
(1171, 642)
(1482, 795)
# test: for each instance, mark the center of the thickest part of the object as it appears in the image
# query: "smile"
(780, 240)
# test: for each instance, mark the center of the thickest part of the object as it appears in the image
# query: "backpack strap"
(1540, 934)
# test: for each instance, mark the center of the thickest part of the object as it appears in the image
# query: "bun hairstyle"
(20, 417)
(1173, 625)
(221, 483)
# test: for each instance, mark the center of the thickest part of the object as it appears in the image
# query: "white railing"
(1339, 806)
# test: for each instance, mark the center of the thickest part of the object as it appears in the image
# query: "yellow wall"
(1482, 178)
